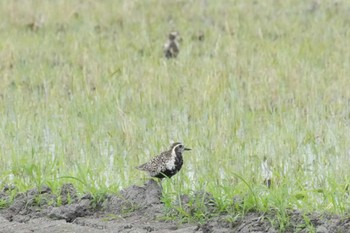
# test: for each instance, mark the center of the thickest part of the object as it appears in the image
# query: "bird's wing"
(155, 166)
(159, 160)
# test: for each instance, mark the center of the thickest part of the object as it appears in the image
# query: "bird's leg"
(159, 182)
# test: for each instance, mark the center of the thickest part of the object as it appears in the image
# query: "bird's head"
(178, 147)
(174, 36)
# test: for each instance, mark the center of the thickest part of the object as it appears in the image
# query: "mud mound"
(322, 222)
(31, 204)
(135, 198)
(139, 209)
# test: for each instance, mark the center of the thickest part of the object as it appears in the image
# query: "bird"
(172, 46)
(167, 163)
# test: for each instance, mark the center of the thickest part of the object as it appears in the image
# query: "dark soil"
(139, 209)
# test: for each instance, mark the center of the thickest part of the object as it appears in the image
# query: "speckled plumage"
(167, 164)
(172, 46)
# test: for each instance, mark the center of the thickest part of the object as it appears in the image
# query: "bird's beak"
(187, 148)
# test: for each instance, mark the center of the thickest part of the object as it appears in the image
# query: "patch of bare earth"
(135, 209)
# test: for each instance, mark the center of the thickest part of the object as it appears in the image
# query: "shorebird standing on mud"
(167, 164)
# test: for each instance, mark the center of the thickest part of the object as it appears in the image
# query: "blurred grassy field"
(86, 95)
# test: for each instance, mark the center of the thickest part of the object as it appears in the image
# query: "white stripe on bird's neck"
(170, 165)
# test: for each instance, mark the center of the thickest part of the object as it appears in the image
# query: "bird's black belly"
(170, 172)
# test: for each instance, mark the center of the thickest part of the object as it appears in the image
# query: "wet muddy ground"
(137, 209)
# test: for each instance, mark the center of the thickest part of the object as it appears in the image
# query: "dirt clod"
(71, 212)
(68, 194)
(7, 188)
(206, 228)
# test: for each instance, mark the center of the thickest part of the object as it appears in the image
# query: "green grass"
(89, 96)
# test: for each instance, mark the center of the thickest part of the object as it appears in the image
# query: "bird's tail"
(141, 167)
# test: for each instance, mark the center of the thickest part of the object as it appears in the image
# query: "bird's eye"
(181, 146)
